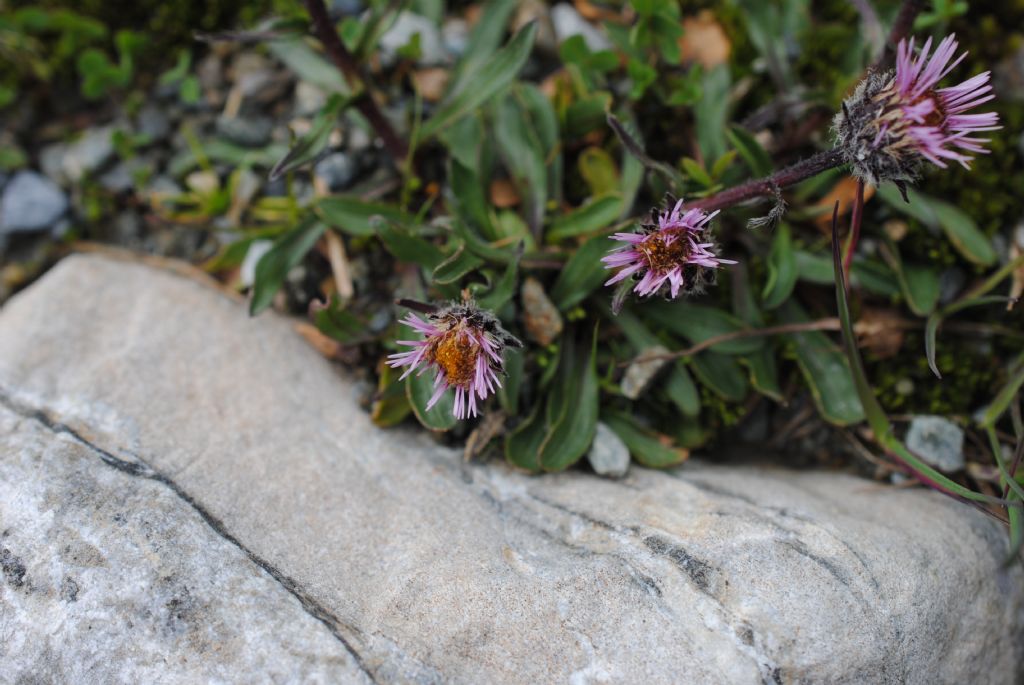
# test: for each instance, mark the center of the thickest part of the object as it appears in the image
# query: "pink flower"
(464, 345)
(895, 119)
(675, 251)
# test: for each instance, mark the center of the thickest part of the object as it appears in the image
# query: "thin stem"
(902, 27)
(855, 221)
(770, 185)
(346, 64)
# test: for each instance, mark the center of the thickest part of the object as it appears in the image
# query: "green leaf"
(682, 390)
(764, 373)
(722, 374)
(782, 272)
(587, 114)
(921, 287)
(508, 393)
(645, 446)
(698, 323)
(711, 110)
(572, 408)
(391, 404)
(872, 276)
(598, 170)
(483, 41)
(502, 291)
(460, 263)
(297, 55)
(418, 390)
(309, 146)
(488, 80)
(273, 267)
(582, 274)
(595, 215)
(353, 216)
(826, 371)
(750, 150)
(959, 227)
(1005, 395)
(524, 156)
(697, 173)
(340, 324)
(407, 247)
(522, 445)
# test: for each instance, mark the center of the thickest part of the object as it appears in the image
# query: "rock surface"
(246, 473)
(31, 202)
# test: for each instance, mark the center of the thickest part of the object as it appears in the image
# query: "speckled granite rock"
(306, 537)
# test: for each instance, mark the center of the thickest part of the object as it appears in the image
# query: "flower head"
(464, 345)
(673, 249)
(896, 119)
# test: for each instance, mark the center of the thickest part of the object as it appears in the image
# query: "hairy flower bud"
(895, 120)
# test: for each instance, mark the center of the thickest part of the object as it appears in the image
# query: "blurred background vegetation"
(155, 126)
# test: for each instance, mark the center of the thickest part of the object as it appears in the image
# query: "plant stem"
(855, 221)
(346, 64)
(769, 185)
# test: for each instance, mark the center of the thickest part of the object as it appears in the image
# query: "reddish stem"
(346, 64)
(769, 185)
(855, 221)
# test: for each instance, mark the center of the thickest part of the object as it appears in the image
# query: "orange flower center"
(663, 255)
(456, 352)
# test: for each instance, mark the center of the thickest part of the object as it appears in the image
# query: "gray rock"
(110, 575)
(92, 150)
(608, 456)
(346, 8)
(401, 32)
(153, 122)
(31, 202)
(336, 171)
(427, 568)
(455, 36)
(938, 441)
(51, 161)
(249, 131)
(247, 272)
(643, 370)
(569, 23)
(309, 99)
(3, 179)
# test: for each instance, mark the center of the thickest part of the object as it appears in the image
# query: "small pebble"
(938, 441)
(608, 455)
(31, 202)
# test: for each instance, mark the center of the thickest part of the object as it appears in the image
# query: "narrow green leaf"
(591, 217)
(698, 323)
(782, 273)
(647, 447)
(722, 374)
(522, 445)
(418, 390)
(582, 274)
(524, 156)
(874, 277)
(758, 161)
(340, 324)
(483, 41)
(508, 393)
(1005, 395)
(587, 114)
(572, 409)
(825, 370)
(353, 216)
(598, 170)
(935, 320)
(273, 267)
(958, 225)
(484, 83)
(391, 405)
(682, 390)
(309, 146)
(460, 263)
(298, 56)
(697, 173)
(764, 372)
(502, 291)
(407, 247)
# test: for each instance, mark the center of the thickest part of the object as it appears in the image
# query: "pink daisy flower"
(464, 346)
(674, 251)
(895, 119)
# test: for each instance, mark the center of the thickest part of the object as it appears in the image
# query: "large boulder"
(187, 494)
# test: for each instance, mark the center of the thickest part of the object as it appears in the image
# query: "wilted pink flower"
(894, 120)
(675, 251)
(464, 345)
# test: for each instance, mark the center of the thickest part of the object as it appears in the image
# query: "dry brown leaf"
(704, 41)
(845, 191)
(431, 82)
(540, 316)
(491, 426)
(328, 347)
(503, 193)
(881, 331)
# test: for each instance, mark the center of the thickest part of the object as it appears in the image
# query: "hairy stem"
(769, 185)
(346, 64)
